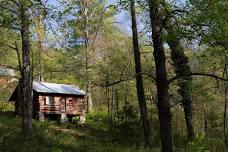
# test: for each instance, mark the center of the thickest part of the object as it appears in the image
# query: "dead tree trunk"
(26, 73)
(139, 78)
(156, 18)
(180, 62)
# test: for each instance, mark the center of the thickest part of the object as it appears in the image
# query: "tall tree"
(139, 78)
(180, 62)
(84, 5)
(26, 70)
(87, 27)
(38, 17)
(157, 19)
(14, 15)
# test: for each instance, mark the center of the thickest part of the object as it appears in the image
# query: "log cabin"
(7, 82)
(53, 100)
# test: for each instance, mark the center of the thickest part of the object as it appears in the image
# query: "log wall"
(74, 105)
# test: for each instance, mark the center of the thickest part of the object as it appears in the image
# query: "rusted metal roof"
(44, 87)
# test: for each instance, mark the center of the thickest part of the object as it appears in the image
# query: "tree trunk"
(180, 62)
(161, 77)
(40, 31)
(139, 79)
(41, 63)
(26, 73)
(84, 9)
(117, 106)
(89, 98)
(18, 103)
(225, 73)
(224, 117)
(108, 102)
(205, 118)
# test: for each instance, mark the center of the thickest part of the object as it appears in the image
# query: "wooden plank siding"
(74, 105)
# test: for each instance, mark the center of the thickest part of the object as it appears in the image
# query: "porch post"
(41, 116)
(63, 118)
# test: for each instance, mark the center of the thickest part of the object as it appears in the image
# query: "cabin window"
(49, 100)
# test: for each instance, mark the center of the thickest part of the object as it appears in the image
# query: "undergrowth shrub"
(6, 106)
(97, 116)
(199, 144)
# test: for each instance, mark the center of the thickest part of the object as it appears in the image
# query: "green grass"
(50, 136)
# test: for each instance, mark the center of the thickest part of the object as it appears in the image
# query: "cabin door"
(63, 104)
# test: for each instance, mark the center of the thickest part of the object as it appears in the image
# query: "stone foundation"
(63, 118)
(82, 119)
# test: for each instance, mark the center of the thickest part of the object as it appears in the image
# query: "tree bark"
(89, 99)
(18, 103)
(224, 117)
(156, 18)
(40, 36)
(180, 62)
(26, 73)
(139, 78)
(225, 73)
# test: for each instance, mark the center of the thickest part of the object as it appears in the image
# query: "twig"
(174, 104)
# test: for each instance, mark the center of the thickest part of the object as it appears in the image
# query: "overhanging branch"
(197, 74)
(174, 104)
(149, 75)
(12, 47)
(123, 80)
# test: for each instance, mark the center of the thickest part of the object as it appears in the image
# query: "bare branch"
(123, 80)
(171, 14)
(174, 104)
(197, 74)
(149, 75)
(8, 46)
(99, 24)
(18, 55)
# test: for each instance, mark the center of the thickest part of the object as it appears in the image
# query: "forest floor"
(51, 136)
